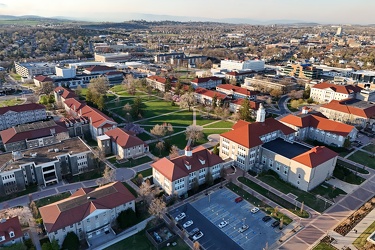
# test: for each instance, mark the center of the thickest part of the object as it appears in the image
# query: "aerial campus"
(186, 135)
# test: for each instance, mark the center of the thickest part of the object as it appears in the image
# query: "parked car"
(266, 218)
(194, 231)
(198, 235)
(238, 199)
(254, 210)
(275, 223)
(243, 228)
(188, 224)
(223, 224)
(181, 216)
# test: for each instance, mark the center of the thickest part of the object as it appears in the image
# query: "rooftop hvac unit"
(56, 150)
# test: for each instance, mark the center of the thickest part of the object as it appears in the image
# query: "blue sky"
(324, 11)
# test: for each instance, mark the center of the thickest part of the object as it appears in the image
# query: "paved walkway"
(347, 187)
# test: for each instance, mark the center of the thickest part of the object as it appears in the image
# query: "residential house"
(205, 96)
(61, 94)
(236, 92)
(269, 144)
(33, 135)
(206, 82)
(88, 212)
(239, 76)
(20, 114)
(124, 144)
(158, 82)
(236, 104)
(351, 111)
(326, 92)
(177, 175)
(315, 126)
(41, 79)
(10, 231)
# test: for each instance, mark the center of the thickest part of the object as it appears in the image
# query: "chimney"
(305, 110)
(188, 152)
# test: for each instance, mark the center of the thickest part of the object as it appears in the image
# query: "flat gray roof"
(359, 104)
(286, 149)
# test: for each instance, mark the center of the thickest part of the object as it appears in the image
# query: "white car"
(254, 210)
(223, 224)
(198, 235)
(181, 216)
(188, 224)
(243, 228)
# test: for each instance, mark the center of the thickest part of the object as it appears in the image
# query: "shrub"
(126, 218)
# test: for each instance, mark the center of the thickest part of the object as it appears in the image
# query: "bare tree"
(145, 192)
(127, 107)
(157, 208)
(46, 88)
(196, 245)
(158, 130)
(108, 176)
(174, 152)
(99, 85)
(160, 145)
(195, 133)
(24, 214)
(187, 100)
(168, 96)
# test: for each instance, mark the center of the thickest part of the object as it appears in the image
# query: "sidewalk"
(352, 235)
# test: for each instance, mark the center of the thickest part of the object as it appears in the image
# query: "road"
(282, 106)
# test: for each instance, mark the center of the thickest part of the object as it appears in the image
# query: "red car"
(238, 199)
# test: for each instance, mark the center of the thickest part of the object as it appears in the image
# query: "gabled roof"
(248, 134)
(236, 89)
(124, 138)
(98, 68)
(205, 79)
(352, 106)
(315, 156)
(253, 105)
(162, 79)
(31, 131)
(74, 104)
(82, 203)
(318, 122)
(41, 78)
(11, 224)
(343, 89)
(21, 108)
(210, 93)
(176, 168)
(65, 93)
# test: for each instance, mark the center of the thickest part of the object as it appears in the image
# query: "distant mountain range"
(154, 17)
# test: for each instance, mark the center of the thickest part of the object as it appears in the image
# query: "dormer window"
(2, 238)
(187, 165)
(11, 234)
(202, 161)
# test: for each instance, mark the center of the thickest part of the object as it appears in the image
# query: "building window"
(299, 176)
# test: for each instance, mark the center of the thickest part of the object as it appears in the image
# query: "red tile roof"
(65, 93)
(82, 203)
(42, 78)
(210, 93)
(175, 168)
(236, 89)
(74, 104)
(11, 135)
(98, 68)
(248, 134)
(21, 108)
(342, 106)
(11, 224)
(318, 122)
(206, 79)
(162, 79)
(315, 156)
(253, 105)
(124, 138)
(344, 89)
(235, 73)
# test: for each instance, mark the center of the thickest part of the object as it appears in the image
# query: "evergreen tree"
(245, 111)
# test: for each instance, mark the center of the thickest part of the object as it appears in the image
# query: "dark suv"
(266, 218)
(275, 223)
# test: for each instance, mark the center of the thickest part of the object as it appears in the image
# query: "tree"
(209, 179)
(137, 108)
(194, 133)
(174, 152)
(126, 218)
(276, 93)
(187, 100)
(71, 242)
(216, 150)
(233, 81)
(24, 214)
(159, 131)
(89, 96)
(157, 208)
(46, 88)
(296, 94)
(178, 88)
(160, 146)
(127, 108)
(99, 85)
(78, 90)
(294, 104)
(306, 93)
(196, 245)
(100, 102)
(245, 111)
(51, 246)
(108, 176)
(139, 179)
(168, 96)
(167, 85)
(214, 101)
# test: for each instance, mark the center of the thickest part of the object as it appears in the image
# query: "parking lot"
(219, 206)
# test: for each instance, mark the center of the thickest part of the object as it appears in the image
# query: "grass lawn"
(117, 88)
(10, 102)
(51, 199)
(327, 191)
(256, 202)
(93, 174)
(370, 148)
(207, 132)
(28, 190)
(158, 107)
(362, 239)
(202, 120)
(181, 118)
(132, 163)
(324, 246)
(292, 109)
(363, 158)
(353, 167)
(273, 197)
(145, 173)
(16, 76)
(346, 175)
(130, 189)
(145, 137)
(309, 198)
(221, 124)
